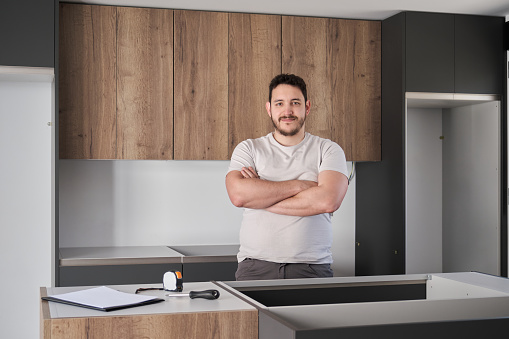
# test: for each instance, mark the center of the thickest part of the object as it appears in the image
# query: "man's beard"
(292, 132)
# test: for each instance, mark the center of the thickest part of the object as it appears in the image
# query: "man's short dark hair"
(288, 79)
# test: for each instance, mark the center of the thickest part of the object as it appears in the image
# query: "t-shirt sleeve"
(333, 158)
(242, 156)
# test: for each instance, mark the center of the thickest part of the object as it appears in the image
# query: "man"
(289, 183)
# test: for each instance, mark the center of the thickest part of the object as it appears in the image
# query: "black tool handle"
(207, 294)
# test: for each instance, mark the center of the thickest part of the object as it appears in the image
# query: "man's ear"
(308, 107)
(267, 107)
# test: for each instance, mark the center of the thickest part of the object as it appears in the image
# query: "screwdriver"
(206, 294)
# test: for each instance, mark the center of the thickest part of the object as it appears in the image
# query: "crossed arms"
(291, 197)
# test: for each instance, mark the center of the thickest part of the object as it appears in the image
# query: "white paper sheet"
(103, 297)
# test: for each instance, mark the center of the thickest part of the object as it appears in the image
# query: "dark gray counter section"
(207, 253)
(208, 262)
(146, 264)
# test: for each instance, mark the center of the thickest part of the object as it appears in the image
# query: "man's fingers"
(248, 173)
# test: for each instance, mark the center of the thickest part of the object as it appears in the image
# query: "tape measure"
(172, 281)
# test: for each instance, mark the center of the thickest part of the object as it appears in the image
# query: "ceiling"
(352, 9)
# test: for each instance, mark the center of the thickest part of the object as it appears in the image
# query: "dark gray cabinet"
(115, 274)
(27, 33)
(208, 262)
(421, 52)
(145, 264)
(453, 53)
(429, 52)
(479, 54)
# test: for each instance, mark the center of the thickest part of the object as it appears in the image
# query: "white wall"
(134, 203)
(26, 243)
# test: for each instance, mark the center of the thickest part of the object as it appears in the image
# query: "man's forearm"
(256, 193)
(302, 204)
(325, 198)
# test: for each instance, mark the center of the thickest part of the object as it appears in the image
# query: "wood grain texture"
(45, 317)
(201, 85)
(307, 52)
(357, 88)
(87, 86)
(254, 59)
(144, 83)
(205, 325)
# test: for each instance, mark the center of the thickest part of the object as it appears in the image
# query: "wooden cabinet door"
(87, 85)
(307, 52)
(340, 60)
(356, 88)
(144, 83)
(254, 59)
(201, 86)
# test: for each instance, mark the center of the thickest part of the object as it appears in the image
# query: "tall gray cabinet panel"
(27, 33)
(421, 52)
(380, 221)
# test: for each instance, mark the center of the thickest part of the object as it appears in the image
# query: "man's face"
(287, 109)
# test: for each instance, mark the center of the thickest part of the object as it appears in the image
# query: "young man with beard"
(289, 183)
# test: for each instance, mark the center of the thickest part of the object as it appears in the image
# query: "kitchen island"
(466, 305)
(175, 318)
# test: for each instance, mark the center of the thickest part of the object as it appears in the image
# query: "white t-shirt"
(281, 238)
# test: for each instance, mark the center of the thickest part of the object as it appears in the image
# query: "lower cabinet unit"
(209, 271)
(227, 317)
(115, 274)
(91, 266)
(471, 305)
(87, 266)
(208, 262)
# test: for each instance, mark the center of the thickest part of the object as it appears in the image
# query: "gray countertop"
(449, 297)
(132, 255)
(225, 302)
(208, 253)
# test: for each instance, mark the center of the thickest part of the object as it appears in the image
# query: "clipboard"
(103, 299)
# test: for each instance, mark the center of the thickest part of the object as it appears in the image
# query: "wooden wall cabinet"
(190, 85)
(340, 61)
(254, 59)
(87, 82)
(144, 83)
(116, 82)
(201, 85)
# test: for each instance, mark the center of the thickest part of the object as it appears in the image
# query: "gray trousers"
(254, 269)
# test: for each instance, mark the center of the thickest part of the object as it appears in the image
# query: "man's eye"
(296, 103)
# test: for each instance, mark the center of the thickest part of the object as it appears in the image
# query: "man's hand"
(249, 172)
